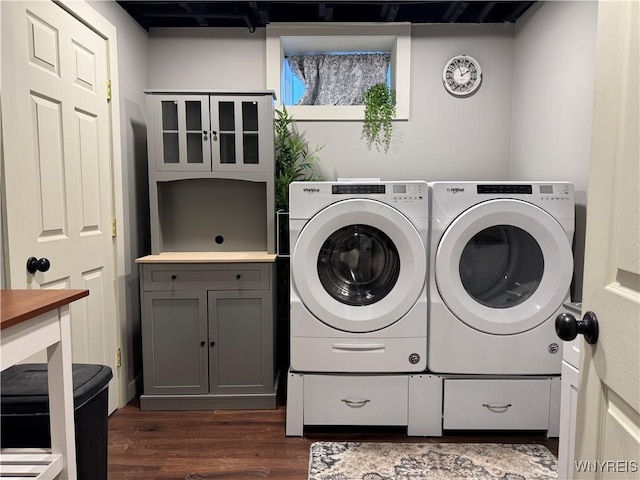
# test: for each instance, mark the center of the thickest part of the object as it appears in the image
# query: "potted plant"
(294, 159)
(379, 111)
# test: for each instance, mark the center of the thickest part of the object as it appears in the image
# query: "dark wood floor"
(238, 444)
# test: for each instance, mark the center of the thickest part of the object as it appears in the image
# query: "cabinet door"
(239, 134)
(182, 133)
(174, 334)
(241, 341)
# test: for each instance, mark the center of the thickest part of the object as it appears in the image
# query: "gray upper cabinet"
(212, 133)
(239, 136)
(182, 135)
(211, 170)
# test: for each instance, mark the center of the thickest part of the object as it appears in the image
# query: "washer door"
(359, 265)
(504, 266)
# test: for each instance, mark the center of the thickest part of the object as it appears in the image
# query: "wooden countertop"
(16, 306)
(209, 257)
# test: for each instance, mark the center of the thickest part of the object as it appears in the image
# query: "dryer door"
(359, 265)
(504, 266)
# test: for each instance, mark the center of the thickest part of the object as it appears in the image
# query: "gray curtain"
(342, 79)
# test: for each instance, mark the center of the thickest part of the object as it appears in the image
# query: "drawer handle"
(238, 276)
(497, 408)
(173, 277)
(355, 403)
(359, 347)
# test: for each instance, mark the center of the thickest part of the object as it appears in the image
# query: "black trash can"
(24, 419)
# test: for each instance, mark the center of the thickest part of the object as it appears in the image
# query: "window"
(373, 71)
(344, 38)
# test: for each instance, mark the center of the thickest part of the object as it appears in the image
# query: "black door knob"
(568, 328)
(37, 264)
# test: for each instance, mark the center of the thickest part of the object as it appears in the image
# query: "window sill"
(334, 112)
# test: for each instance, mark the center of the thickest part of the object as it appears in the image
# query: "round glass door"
(501, 266)
(358, 265)
(504, 266)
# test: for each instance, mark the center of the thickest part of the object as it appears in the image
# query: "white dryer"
(358, 276)
(501, 268)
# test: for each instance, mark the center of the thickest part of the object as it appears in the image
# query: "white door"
(608, 417)
(56, 130)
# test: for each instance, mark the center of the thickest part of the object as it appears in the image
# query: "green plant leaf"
(379, 111)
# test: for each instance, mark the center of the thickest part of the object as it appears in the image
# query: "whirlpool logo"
(310, 189)
(455, 189)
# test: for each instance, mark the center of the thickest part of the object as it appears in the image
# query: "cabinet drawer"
(227, 276)
(496, 404)
(355, 400)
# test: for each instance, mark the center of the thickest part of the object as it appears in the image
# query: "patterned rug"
(430, 461)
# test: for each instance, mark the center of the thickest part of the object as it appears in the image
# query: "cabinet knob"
(238, 276)
(173, 277)
(204, 135)
(214, 134)
(202, 343)
(212, 344)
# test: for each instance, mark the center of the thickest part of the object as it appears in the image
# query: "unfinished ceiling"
(150, 14)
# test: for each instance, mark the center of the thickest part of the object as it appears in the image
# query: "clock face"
(462, 75)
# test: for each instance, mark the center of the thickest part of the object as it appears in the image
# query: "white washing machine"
(501, 268)
(358, 276)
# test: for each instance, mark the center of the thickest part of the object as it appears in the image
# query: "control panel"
(357, 189)
(407, 192)
(505, 188)
(555, 192)
(396, 192)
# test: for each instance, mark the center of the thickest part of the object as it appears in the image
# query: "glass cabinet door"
(184, 141)
(235, 123)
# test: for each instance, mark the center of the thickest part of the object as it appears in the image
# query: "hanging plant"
(294, 159)
(379, 111)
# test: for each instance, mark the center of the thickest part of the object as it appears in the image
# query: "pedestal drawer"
(355, 400)
(520, 404)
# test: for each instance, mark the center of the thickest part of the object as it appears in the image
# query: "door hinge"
(118, 358)
(113, 228)
(108, 90)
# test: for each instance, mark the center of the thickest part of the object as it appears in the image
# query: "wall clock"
(461, 75)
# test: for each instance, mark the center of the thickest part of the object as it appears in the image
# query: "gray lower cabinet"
(210, 347)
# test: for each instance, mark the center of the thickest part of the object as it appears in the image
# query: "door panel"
(174, 344)
(57, 154)
(608, 413)
(240, 341)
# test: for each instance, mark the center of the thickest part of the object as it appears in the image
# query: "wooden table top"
(16, 306)
(209, 257)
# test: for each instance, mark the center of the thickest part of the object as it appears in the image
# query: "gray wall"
(552, 103)
(428, 146)
(133, 78)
